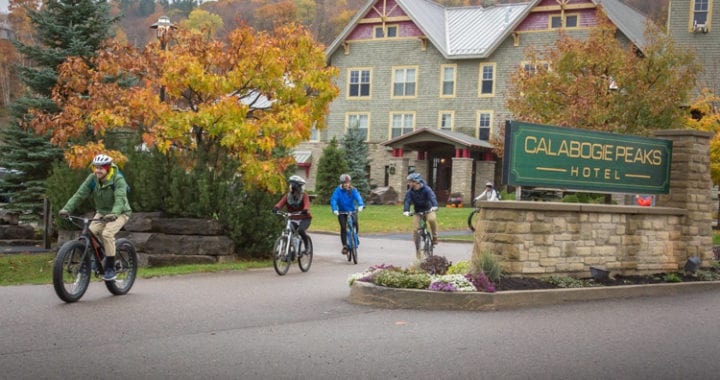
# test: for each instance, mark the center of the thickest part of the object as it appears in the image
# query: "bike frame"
(423, 235)
(91, 242)
(352, 238)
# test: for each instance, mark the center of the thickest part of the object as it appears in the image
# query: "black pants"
(302, 226)
(342, 218)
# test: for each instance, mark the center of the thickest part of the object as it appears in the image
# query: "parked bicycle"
(77, 259)
(423, 237)
(352, 235)
(290, 246)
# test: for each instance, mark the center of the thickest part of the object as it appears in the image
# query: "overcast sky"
(3, 6)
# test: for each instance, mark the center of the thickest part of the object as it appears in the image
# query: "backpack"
(93, 184)
(497, 193)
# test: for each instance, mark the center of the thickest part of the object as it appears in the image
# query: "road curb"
(368, 294)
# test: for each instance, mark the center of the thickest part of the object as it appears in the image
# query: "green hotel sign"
(548, 156)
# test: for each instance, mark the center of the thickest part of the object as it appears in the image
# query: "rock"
(15, 232)
(383, 196)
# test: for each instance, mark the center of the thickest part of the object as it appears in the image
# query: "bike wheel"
(427, 245)
(126, 266)
(305, 259)
(71, 271)
(352, 253)
(281, 255)
(472, 220)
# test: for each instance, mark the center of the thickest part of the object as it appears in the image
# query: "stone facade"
(546, 238)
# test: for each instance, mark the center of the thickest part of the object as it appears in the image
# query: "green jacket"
(106, 200)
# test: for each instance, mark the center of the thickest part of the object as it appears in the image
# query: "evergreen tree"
(356, 154)
(64, 28)
(332, 163)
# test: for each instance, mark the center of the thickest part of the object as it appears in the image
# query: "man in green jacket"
(109, 192)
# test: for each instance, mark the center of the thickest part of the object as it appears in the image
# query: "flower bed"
(395, 277)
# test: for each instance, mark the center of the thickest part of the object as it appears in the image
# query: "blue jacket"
(344, 200)
(423, 199)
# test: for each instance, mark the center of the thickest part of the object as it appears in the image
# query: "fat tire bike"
(290, 246)
(423, 237)
(78, 259)
(352, 239)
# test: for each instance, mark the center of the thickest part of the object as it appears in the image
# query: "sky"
(3, 6)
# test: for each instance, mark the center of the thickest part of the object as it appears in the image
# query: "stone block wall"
(547, 238)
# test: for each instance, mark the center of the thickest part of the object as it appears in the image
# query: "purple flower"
(440, 286)
(481, 282)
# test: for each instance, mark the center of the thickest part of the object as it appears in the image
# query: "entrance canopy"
(433, 139)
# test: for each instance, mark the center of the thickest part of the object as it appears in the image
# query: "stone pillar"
(398, 180)
(461, 178)
(691, 189)
(484, 172)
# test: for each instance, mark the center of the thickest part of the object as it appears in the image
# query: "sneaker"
(435, 241)
(110, 274)
(344, 251)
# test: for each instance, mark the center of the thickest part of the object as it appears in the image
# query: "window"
(314, 133)
(701, 9)
(484, 125)
(404, 80)
(388, 31)
(447, 80)
(487, 79)
(401, 123)
(359, 120)
(445, 120)
(359, 83)
(571, 21)
(533, 68)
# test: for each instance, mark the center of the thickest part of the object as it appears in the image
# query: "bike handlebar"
(347, 212)
(285, 213)
(421, 213)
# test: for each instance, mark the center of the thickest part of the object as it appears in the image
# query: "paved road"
(257, 325)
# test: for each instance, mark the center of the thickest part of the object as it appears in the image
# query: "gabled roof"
(420, 135)
(475, 32)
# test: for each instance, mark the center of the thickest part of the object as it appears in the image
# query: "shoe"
(435, 241)
(110, 274)
(344, 251)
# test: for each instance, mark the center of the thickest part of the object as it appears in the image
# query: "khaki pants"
(107, 231)
(430, 220)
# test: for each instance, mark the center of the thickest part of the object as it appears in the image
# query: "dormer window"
(386, 31)
(571, 21)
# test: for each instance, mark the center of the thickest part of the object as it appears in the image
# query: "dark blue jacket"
(422, 199)
(344, 200)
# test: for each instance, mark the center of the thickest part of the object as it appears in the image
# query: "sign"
(548, 156)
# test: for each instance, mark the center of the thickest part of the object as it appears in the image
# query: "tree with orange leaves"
(247, 98)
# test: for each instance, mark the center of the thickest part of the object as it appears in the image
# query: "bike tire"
(126, 266)
(71, 271)
(427, 245)
(472, 219)
(281, 255)
(305, 260)
(353, 252)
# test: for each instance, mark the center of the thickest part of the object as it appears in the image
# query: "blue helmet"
(415, 177)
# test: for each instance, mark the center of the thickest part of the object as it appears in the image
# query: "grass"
(387, 218)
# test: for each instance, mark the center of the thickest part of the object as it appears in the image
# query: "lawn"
(374, 219)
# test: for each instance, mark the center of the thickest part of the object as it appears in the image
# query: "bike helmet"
(415, 177)
(345, 178)
(102, 160)
(296, 179)
(489, 184)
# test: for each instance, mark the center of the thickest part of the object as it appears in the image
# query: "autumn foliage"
(248, 97)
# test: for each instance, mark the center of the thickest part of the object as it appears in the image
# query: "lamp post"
(162, 27)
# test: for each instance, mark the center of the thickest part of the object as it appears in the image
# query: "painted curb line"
(368, 294)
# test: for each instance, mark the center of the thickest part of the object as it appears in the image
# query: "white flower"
(458, 281)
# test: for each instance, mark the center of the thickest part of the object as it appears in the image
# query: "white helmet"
(345, 178)
(297, 179)
(102, 160)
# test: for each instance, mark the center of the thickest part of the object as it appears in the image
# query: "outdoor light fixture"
(692, 264)
(162, 26)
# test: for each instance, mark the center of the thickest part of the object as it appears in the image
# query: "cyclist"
(423, 199)
(490, 194)
(297, 200)
(344, 199)
(108, 189)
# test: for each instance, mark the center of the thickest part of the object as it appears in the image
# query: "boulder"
(16, 232)
(383, 196)
(158, 243)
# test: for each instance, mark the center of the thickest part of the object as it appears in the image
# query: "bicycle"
(77, 259)
(471, 220)
(423, 237)
(352, 240)
(290, 246)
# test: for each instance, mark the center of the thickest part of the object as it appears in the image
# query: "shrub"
(461, 267)
(402, 279)
(487, 263)
(435, 265)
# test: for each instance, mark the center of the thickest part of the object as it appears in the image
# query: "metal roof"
(302, 156)
(475, 32)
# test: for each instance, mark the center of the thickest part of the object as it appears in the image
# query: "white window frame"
(482, 79)
(707, 13)
(442, 117)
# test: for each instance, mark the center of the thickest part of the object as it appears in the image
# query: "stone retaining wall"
(546, 238)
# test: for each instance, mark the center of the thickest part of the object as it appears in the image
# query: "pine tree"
(64, 28)
(356, 154)
(332, 163)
